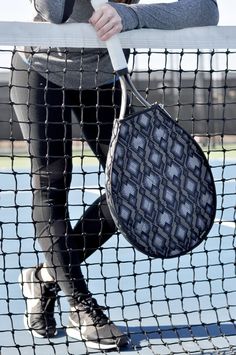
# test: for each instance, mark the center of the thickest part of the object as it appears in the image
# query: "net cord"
(83, 35)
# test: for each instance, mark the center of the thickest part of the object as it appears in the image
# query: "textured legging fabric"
(44, 112)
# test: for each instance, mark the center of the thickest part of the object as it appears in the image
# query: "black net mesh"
(185, 305)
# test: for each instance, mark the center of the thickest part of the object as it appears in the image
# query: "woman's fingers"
(106, 22)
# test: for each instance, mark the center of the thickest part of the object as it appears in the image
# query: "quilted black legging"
(44, 112)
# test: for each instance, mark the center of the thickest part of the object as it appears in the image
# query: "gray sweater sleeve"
(168, 16)
(55, 11)
(176, 15)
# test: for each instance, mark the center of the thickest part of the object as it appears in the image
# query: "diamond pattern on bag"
(160, 189)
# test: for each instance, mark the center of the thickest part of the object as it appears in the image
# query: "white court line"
(229, 181)
(228, 224)
(93, 189)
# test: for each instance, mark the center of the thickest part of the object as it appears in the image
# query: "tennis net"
(184, 305)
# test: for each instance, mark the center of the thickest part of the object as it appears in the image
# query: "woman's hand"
(106, 22)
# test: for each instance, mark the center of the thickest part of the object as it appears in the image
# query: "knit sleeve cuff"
(128, 16)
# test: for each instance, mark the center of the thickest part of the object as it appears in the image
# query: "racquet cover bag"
(159, 185)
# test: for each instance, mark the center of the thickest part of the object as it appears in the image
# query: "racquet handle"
(114, 47)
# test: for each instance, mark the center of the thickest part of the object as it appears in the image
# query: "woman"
(58, 83)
